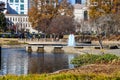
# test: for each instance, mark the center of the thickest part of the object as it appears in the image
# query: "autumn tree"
(2, 18)
(65, 8)
(98, 8)
(43, 11)
(2, 22)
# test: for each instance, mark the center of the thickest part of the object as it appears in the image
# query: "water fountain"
(71, 40)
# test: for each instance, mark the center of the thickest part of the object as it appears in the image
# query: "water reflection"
(17, 61)
(14, 61)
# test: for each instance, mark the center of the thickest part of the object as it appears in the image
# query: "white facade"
(17, 6)
(20, 21)
(80, 16)
(79, 12)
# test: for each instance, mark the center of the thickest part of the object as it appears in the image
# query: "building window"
(17, 9)
(85, 15)
(11, 4)
(21, 12)
(26, 25)
(13, 18)
(11, 1)
(16, 19)
(78, 1)
(22, 1)
(21, 7)
(26, 19)
(16, 1)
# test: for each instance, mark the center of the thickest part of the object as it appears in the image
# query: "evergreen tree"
(3, 27)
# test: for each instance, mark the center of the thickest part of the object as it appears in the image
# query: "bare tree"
(105, 26)
(109, 24)
(62, 25)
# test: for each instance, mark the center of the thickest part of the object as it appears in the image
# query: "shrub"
(84, 59)
(92, 58)
(107, 58)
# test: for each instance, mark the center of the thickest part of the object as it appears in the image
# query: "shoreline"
(13, 46)
(91, 68)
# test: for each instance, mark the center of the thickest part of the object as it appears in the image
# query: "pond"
(18, 61)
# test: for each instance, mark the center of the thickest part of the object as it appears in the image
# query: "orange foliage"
(41, 12)
(33, 13)
(102, 7)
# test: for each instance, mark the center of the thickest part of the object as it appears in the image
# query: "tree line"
(52, 17)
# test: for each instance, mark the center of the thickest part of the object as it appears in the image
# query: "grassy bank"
(64, 76)
(86, 59)
(10, 41)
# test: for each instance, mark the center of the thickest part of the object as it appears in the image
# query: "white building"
(17, 6)
(80, 16)
(20, 22)
(80, 12)
(17, 11)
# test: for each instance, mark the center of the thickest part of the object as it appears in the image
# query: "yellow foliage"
(103, 7)
(40, 12)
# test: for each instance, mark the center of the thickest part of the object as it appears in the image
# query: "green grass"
(92, 58)
(63, 76)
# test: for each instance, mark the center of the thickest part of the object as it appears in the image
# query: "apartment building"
(16, 14)
(17, 6)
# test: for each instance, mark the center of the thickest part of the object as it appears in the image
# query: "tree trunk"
(100, 40)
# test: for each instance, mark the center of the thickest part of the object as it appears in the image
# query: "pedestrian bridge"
(58, 48)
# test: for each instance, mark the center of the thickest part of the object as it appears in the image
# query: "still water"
(18, 61)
